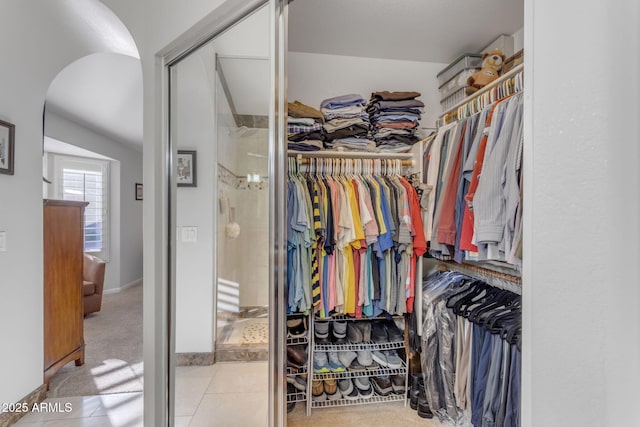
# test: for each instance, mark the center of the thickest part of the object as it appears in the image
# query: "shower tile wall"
(253, 254)
(244, 260)
(228, 265)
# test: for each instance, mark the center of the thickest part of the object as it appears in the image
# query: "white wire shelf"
(360, 401)
(299, 340)
(340, 317)
(293, 371)
(360, 374)
(300, 396)
(370, 345)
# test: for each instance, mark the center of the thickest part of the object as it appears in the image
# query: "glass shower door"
(221, 99)
(242, 310)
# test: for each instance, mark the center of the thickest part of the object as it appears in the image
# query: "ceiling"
(414, 30)
(104, 91)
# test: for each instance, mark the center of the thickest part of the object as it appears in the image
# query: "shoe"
(320, 363)
(297, 327)
(417, 386)
(331, 389)
(398, 384)
(339, 332)
(317, 391)
(423, 408)
(346, 357)
(364, 387)
(356, 366)
(379, 357)
(334, 362)
(365, 327)
(297, 354)
(393, 360)
(290, 390)
(364, 358)
(347, 389)
(374, 366)
(394, 333)
(381, 384)
(298, 382)
(321, 332)
(379, 333)
(354, 333)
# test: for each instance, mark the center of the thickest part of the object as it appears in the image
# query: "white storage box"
(459, 81)
(504, 43)
(465, 62)
(453, 99)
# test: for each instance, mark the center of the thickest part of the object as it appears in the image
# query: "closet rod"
(348, 155)
(508, 281)
(511, 73)
(306, 161)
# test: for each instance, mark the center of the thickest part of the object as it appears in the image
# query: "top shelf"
(515, 70)
(348, 154)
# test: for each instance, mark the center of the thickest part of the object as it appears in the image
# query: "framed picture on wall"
(186, 168)
(7, 137)
(138, 191)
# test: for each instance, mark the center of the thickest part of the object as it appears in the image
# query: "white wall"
(314, 77)
(125, 262)
(194, 129)
(581, 272)
(518, 40)
(44, 42)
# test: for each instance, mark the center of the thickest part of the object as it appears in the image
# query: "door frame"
(160, 398)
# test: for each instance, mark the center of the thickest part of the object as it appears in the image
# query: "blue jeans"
(512, 414)
(482, 352)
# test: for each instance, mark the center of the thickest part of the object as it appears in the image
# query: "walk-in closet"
(404, 214)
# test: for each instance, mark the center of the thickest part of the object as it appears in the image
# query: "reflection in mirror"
(242, 95)
(220, 97)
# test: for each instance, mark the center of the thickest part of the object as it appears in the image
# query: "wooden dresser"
(63, 299)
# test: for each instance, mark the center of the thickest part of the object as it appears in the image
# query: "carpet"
(113, 350)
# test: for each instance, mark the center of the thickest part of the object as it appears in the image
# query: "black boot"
(417, 384)
(423, 405)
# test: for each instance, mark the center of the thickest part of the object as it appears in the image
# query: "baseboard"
(194, 359)
(123, 287)
(35, 397)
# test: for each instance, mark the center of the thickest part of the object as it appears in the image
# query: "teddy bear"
(491, 66)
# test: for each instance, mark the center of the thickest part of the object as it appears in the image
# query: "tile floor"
(202, 400)
(225, 394)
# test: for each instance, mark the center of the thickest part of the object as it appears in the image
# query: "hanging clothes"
(474, 171)
(353, 239)
(471, 356)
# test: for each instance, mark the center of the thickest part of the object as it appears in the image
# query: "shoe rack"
(292, 371)
(353, 374)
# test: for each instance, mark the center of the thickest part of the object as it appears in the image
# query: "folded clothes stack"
(346, 123)
(304, 128)
(395, 118)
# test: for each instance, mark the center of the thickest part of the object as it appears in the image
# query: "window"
(84, 179)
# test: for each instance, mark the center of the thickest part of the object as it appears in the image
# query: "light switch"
(3, 241)
(190, 234)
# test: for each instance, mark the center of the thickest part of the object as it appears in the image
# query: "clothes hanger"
(502, 299)
(494, 321)
(455, 300)
(469, 303)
